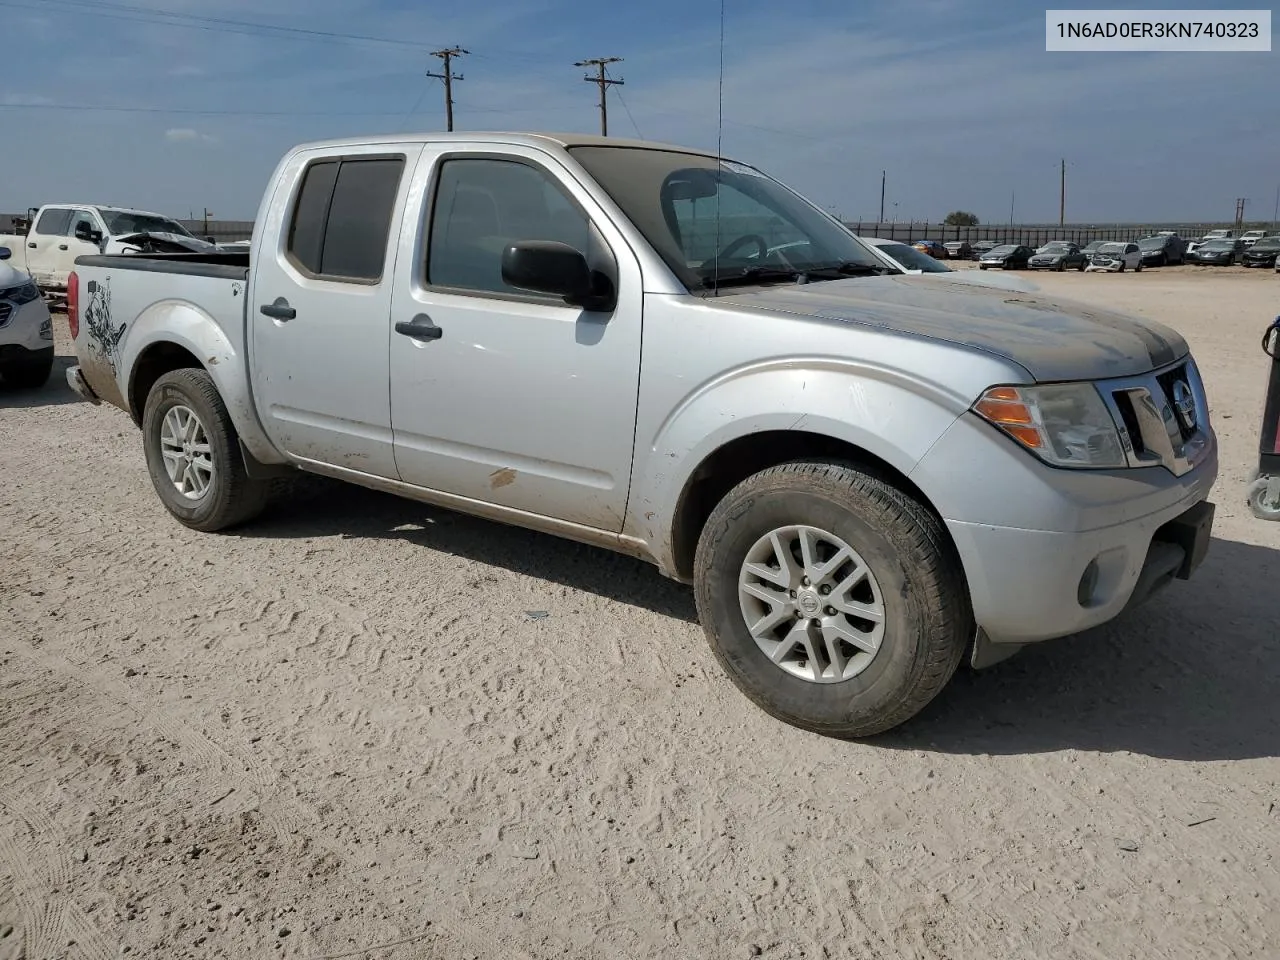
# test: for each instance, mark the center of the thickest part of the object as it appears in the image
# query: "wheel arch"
(175, 336)
(739, 458)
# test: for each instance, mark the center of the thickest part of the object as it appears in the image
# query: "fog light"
(1088, 584)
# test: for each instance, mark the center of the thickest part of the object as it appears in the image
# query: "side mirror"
(87, 233)
(548, 266)
(5, 253)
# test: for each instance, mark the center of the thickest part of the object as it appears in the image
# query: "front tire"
(832, 600)
(193, 454)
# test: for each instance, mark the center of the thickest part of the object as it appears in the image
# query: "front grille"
(1167, 381)
(1124, 403)
(1144, 406)
(6, 311)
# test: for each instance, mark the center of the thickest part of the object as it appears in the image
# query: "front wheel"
(832, 599)
(1138, 268)
(193, 454)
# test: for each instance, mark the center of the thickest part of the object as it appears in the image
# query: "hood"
(159, 243)
(11, 276)
(1049, 337)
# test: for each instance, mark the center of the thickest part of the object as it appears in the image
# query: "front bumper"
(1027, 534)
(28, 325)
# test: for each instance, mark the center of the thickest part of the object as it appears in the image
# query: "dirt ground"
(366, 728)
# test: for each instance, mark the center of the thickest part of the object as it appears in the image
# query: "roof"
(528, 139)
(105, 206)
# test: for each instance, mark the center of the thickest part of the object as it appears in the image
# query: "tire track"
(44, 876)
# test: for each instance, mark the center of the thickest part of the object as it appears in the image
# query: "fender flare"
(889, 414)
(182, 324)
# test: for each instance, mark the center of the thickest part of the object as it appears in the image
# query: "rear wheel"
(832, 599)
(193, 454)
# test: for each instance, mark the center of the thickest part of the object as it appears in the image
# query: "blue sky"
(957, 100)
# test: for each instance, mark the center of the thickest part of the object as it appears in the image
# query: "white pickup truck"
(60, 232)
(864, 474)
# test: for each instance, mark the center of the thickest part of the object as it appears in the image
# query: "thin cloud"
(187, 135)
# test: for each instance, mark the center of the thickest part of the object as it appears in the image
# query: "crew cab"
(60, 232)
(864, 474)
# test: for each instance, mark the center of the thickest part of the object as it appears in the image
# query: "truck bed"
(128, 302)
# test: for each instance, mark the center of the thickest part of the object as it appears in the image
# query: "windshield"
(1002, 251)
(1219, 245)
(1152, 243)
(1093, 246)
(1111, 248)
(913, 259)
(1270, 243)
(120, 222)
(713, 223)
(1056, 247)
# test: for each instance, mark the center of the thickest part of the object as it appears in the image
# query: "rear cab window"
(342, 217)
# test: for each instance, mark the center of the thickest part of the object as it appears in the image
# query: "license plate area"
(1191, 530)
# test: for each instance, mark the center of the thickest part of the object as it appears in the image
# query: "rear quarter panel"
(124, 313)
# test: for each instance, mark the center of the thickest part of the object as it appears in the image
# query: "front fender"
(887, 413)
(182, 323)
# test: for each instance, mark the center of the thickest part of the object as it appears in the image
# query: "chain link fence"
(1032, 234)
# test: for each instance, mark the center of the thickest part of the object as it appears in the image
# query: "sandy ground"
(340, 733)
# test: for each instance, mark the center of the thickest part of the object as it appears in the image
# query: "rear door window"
(54, 223)
(342, 218)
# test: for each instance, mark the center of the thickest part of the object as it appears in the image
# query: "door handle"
(62, 246)
(34, 246)
(420, 327)
(278, 310)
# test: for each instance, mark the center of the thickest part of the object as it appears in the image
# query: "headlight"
(1064, 424)
(21, 294)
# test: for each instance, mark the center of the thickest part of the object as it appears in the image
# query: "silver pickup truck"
(865, 475)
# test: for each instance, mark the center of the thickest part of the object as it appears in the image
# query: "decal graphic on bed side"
(104, 339)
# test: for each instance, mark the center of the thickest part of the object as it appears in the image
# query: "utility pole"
(1062, 200)
(604, 81)
(448, 77)
(207, 214)
(883, 174)
(1275, 215)
(1240, 202)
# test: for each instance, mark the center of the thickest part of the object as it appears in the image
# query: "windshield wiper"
(850, 268)
(749, 275)
(829, 271)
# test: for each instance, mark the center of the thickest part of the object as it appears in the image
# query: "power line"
(629, 116)
(148, 15)
(448, 77)
(101, 108)
(604, 82)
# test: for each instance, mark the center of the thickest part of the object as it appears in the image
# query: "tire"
(927, 621)
(1062, 265)
(27, 374)
(1262, 506)
(1080, 269)
(982, 267)
(1138, 268)
(1121, 270)
(231, 496)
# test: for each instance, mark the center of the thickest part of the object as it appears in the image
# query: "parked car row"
(1158, 250)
